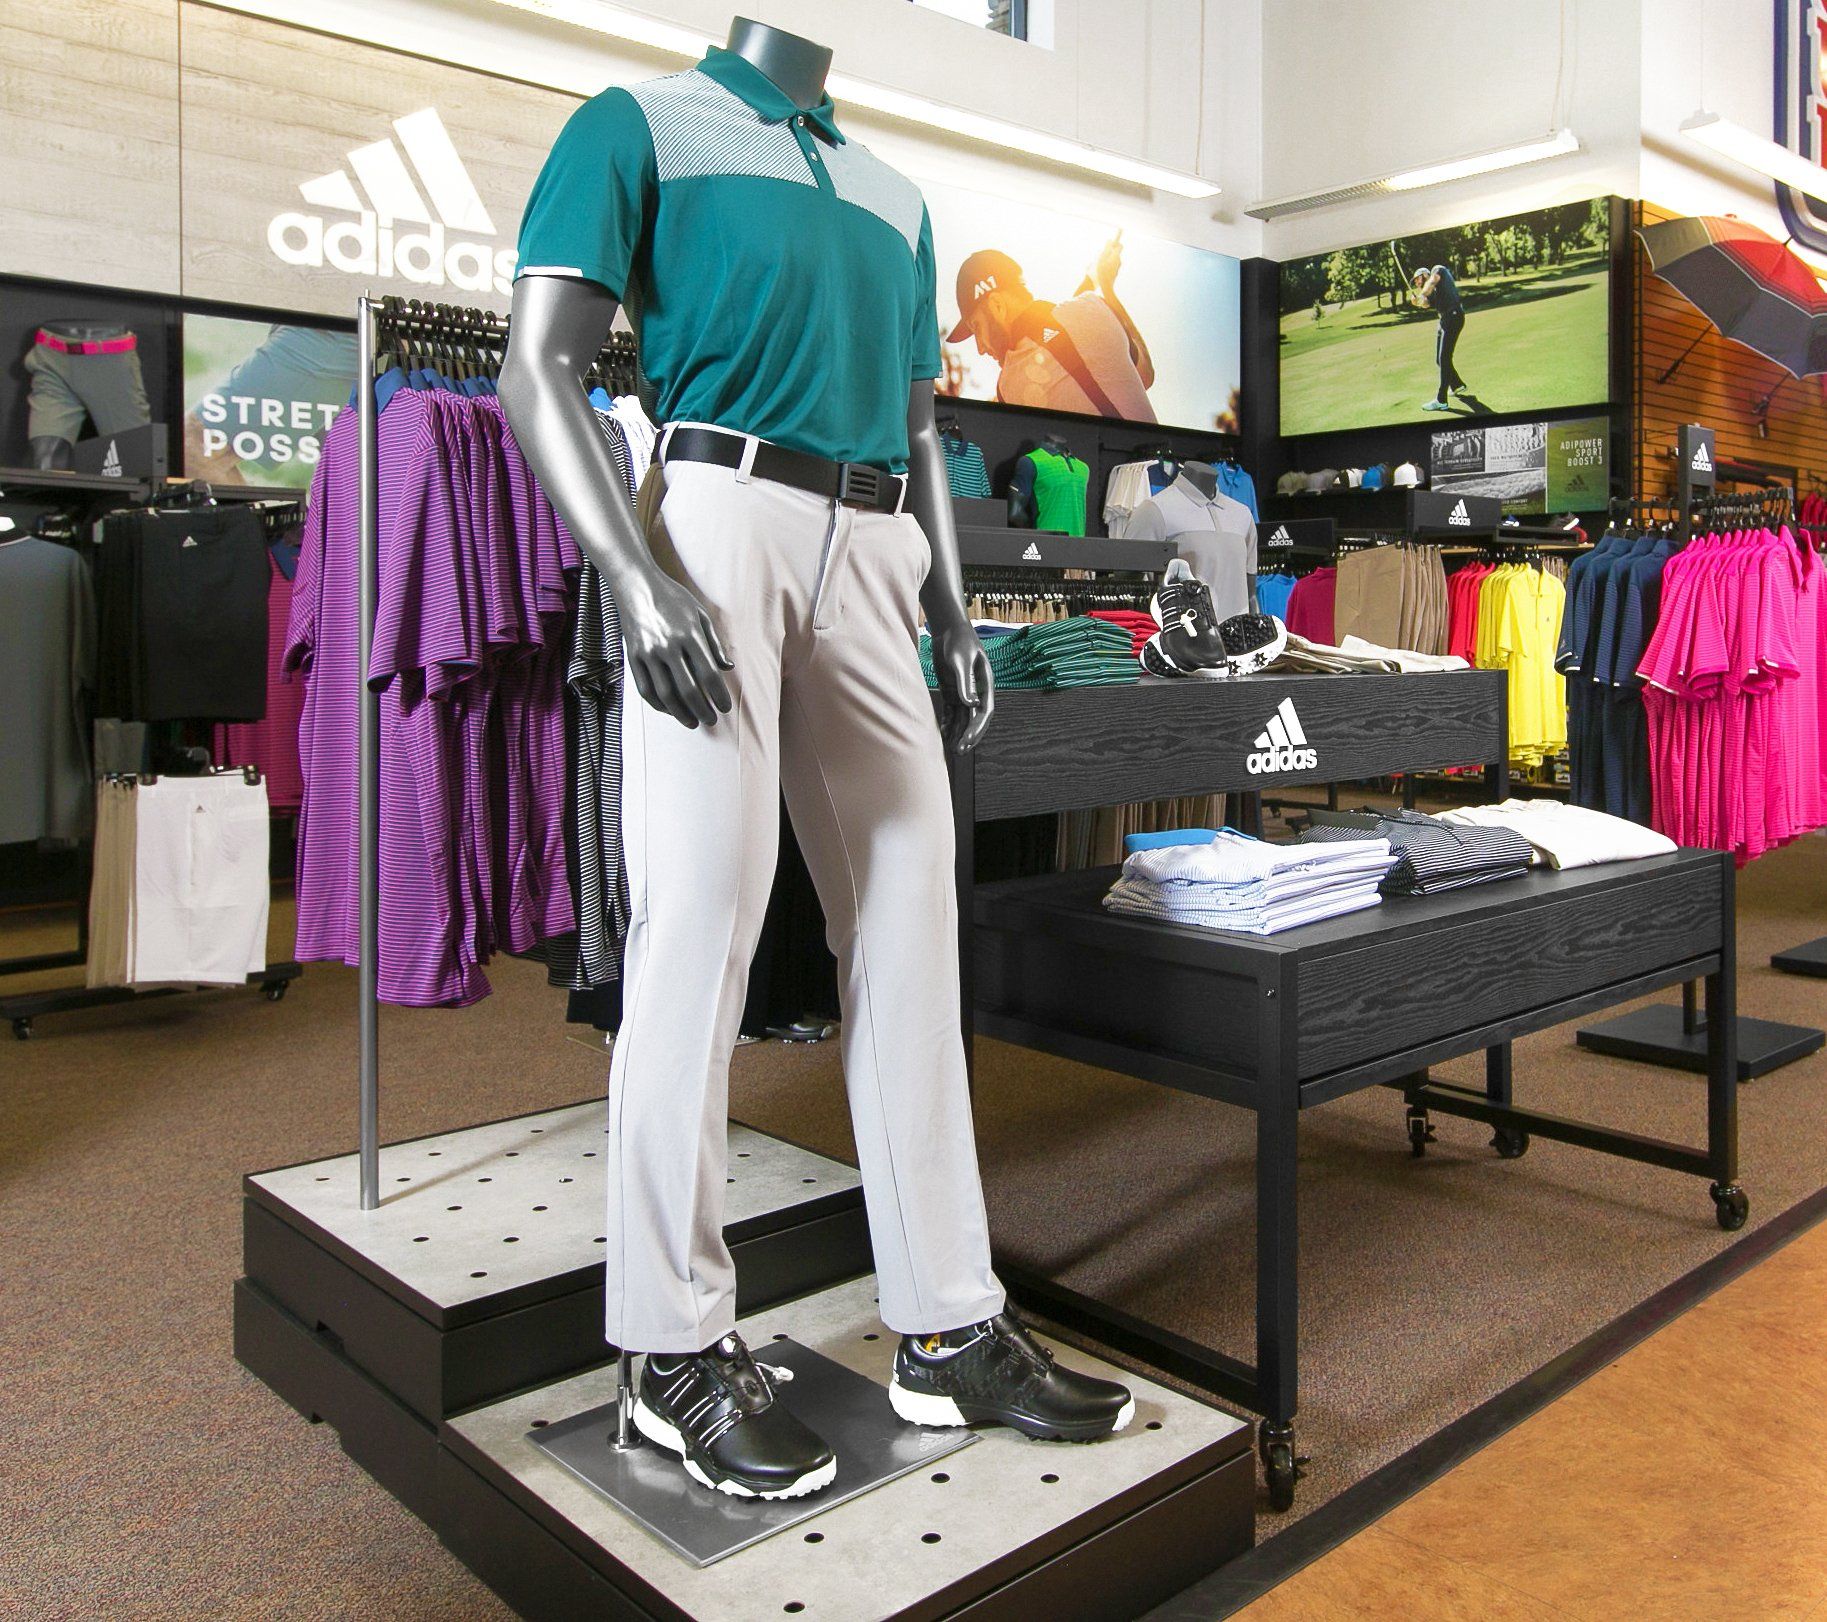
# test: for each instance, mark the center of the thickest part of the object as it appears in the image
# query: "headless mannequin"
(674, 657)
(1023, 508)
(49, 453)
(1201, 477)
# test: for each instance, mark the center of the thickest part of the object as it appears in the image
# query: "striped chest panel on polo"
(701, 130)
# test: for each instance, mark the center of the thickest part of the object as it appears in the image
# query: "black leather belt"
(853, 484)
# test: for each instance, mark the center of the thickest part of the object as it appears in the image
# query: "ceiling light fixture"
(629, 26)
(1736, 142)
(1559, 144)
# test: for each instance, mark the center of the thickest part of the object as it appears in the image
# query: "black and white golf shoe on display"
(996, 1371)
(1252, 642)
(1188, 638)
(719, 1411)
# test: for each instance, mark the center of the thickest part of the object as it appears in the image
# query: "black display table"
(1287, 1022)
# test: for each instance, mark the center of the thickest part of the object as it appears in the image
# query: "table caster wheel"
(22, 1029)
(1420, 1132)
(1732, 1205)
(1510, 1142)
(274, 990)
(1281, 1467)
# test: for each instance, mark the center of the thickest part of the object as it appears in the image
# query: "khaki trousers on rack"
(817, 604)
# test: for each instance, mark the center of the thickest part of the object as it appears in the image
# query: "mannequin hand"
(965, 684)
(675, 658)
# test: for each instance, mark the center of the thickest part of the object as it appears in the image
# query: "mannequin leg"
(864, 776)
(700, 827)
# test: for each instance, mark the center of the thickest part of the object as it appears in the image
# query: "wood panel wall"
(1721, 384)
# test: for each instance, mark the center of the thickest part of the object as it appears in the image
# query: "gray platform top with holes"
(871, 1557)
(470, 1214)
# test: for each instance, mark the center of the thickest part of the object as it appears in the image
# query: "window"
(1000, 16)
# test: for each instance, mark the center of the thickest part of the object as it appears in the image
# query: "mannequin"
(1052, 497)
(82, 371)
(795, 526)
(1203, 477)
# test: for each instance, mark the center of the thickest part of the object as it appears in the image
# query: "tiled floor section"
(1686, 1480)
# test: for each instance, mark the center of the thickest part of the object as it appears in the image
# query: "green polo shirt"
(779, 277)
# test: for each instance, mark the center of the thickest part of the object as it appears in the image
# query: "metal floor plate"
(469, 1214)
(847, 1409)
(879, 1553)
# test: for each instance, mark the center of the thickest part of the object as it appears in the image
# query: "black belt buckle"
(864, 485)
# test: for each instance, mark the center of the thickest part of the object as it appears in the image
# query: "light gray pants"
(817, 604)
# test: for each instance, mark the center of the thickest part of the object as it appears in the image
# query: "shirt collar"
(743, 79)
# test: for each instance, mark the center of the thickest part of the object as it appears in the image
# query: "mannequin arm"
(675, 659)
(1022, 506)
(963, 669)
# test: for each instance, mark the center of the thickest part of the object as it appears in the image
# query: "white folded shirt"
(1236, 860)
(1270, 919)
(1567, 835)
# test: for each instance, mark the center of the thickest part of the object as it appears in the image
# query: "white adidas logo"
(1032, 553)
(1702, 462)
(1281, 537)
(368, 246)
(1282, 745)
(111, 463)
(1459, 515)
(189, 540)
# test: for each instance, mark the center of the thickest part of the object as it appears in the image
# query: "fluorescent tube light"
(1559, 144)
(616, 23)
(1736, 142)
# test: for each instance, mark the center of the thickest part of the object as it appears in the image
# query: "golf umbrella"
(1749, 285)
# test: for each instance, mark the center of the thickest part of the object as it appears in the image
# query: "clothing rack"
(474, 342)
(1661, 1034)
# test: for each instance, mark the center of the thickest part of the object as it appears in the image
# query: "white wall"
(1717, 54)
(1356, 89)
(1126, 77)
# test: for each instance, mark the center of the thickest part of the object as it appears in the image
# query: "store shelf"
(1042, 549)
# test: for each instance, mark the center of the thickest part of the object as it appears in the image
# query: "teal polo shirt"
(779, 276)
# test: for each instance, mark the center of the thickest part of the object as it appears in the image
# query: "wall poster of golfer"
(1495, 317)
(1065, 312)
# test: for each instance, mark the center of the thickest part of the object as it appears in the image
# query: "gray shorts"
(67, 389)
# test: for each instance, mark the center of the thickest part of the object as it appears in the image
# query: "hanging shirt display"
(965, 474)
(1519, 627)
(1057, 485)
(182, 607)
(471, 637)
(47, 674)
(271, 743)
(1215, 535)
(1239, 486)
(1311, 603)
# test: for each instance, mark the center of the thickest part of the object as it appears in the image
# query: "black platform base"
(1809, 958)
(1656, 1036)
(1006, 1528)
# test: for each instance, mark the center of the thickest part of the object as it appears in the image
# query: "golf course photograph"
(1469, 321)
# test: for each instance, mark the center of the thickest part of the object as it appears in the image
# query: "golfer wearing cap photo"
(1435, 289)
(1082, 354)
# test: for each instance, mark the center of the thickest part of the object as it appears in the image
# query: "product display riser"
(1122, 1538)
(434, 1307)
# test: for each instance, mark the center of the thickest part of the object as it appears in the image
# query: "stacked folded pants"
(1431, 856)
(1235, 882)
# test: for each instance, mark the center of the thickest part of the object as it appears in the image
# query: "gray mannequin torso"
(675, 660)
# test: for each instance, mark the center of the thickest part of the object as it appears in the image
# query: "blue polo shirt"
(779, 276)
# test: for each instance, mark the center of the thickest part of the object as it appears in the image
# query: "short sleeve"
(1249, 548)
(1146, 523)
(923, 350)
(589, 206)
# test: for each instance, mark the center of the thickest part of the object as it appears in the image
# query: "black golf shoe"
(1188, 639)
(719, 1412)
(997, 1371)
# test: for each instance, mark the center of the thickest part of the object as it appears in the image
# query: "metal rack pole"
(368, 709)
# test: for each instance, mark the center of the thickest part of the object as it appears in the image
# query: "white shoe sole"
(661, 1434)
(925, 1408)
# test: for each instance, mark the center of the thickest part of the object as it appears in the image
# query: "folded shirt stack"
(1564, 835)
(1432, 856)
(1076, 652)
(1238, 883)
(1139, 626)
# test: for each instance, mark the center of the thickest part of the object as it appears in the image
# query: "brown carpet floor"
(146, 1475)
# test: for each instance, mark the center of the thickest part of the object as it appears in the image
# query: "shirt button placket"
(808, 147)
